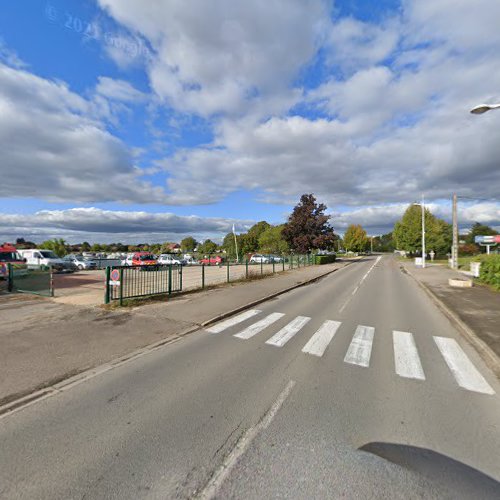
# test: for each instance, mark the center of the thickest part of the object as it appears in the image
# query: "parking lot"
(88, 287)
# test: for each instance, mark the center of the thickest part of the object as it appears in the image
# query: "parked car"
(81, 263)
(188, 259)
(40, 257)
(145, 260)
(127, 261)
(275, 258)
(211, 261)
(167, 259)
(257, 258)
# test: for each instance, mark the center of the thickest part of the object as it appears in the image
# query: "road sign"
(487, 239)
(115, 275)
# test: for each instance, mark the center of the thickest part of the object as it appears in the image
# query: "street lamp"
(482, 108)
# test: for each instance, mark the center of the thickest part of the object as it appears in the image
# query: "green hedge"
(490, 270)
(324, 259)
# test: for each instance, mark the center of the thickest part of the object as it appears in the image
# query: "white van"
(38, 257)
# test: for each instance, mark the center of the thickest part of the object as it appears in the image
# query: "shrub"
(490, 270)
(324, 259)
(468, 249)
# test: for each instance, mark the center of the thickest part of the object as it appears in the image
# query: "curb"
(65, 384)
(268, 297)
(486, 353)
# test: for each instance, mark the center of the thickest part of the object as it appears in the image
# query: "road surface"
(353, 387)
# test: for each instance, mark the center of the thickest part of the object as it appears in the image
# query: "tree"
(272, 241)
(478, 229)
(408, 232)
(307, 227)
(383, 243)
(188, 244)
(85, 246)
(229, 246)
(58, 246)
(250, 240)
(207, 247)
(355, 238)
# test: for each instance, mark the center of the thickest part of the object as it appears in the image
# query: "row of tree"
(307, 229)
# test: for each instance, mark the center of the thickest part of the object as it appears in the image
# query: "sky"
(133, 121)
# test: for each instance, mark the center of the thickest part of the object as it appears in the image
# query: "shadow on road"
(456, 478)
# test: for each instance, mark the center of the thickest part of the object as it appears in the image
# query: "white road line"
(256, 328)
(219, 327)
(213, 486)
(360, 283)
(406, 356)
(360, 350)
(319, 341)
(465, 373)
(288, 331)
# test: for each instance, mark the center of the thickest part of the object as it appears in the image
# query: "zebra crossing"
(407, 363)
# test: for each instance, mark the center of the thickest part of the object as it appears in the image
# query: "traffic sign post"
(488, 241)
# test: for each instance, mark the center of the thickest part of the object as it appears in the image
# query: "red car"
(144, 259)
(211, 261)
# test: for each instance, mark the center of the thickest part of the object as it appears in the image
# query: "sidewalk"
(43, 341)
(476, 308)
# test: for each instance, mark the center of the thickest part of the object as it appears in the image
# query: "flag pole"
(236, 245)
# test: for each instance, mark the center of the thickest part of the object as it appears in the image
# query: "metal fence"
(127, 282)
(33, 279)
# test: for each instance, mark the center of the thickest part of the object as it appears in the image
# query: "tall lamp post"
(482, 108)
(476, 110)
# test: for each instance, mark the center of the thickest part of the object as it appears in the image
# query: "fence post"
(106, 295)
(169, 280)
(246, 268)
(273, 265)
(227, 270)
(180, 278)
(51, 283)
(261, 267)
(121, 286)
(283, 261)
(10, 278)
(203, 276)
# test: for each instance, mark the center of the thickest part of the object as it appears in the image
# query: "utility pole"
(423, 232)
(454, 246)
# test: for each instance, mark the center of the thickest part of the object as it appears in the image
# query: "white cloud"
(119, 90)
(53, 149)
(223, 56)
(78, 224)
(381, 219)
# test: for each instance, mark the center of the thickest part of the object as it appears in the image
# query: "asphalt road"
(352, 387)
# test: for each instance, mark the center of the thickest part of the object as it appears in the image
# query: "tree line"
(307, 229)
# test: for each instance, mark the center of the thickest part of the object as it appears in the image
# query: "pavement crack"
(226, 440)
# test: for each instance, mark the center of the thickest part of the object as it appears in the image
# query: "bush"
(490, 270)
(324, 259)
(468, 249)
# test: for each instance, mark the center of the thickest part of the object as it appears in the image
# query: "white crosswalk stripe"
(406, 356)
(360, 349)
(220, 327)
(407, 361)
(288, 331)
(465, 373)
(321, 339)
(256, 328)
